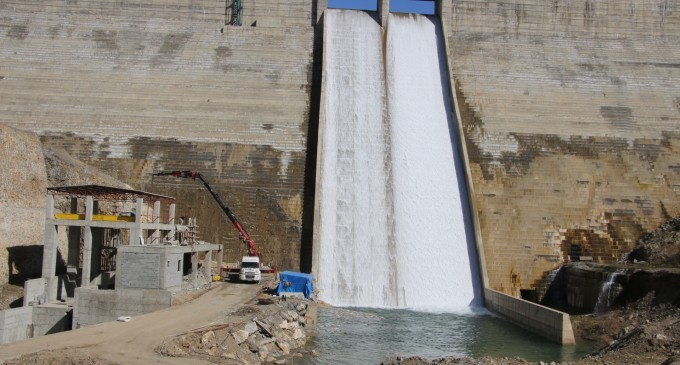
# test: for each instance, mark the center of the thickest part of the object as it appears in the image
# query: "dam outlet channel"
(396, 251)
(393, 214)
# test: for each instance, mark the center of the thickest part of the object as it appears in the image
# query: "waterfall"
(392, 215)
(430, 232)
(355, 251)
(609, 290)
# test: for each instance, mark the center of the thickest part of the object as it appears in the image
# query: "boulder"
(284, 346)
(250, 327)
(240, 336)
(208, 340)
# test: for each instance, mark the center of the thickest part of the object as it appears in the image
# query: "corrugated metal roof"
(106, 193)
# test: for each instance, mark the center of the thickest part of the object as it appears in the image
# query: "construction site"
(146, 147)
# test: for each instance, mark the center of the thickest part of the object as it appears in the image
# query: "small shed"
(295, 282)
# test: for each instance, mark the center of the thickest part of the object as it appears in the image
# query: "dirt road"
(134, 342)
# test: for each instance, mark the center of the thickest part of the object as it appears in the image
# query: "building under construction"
(116, 265)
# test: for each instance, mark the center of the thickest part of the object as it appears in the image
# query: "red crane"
(252, 249)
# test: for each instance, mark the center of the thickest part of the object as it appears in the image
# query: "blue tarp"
(295, 282)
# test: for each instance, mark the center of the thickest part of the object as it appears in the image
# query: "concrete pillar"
(321, 6)
(171, 221)
(87, 242)
(49, 264)
(96, 258)
(73, 255)
(171, 214)
(220, 257)
(156, 235)
(208, 264)
(383, 11)
(117, 277)
(194, 268)
(96, 253)
(136, 230)
(438, 8)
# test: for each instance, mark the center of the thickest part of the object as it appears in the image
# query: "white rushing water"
(609, 290)
(355, 258)
(391, 229)
(433, 244)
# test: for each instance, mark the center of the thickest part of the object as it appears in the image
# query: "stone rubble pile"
(255, 334)
(659, 247)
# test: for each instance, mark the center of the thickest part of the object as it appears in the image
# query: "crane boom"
(252, 248)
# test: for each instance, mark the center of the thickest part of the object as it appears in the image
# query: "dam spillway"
(354, 181)
(392, 229)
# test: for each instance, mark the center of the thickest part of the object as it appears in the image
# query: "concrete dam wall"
(569, 112)
(133, 87)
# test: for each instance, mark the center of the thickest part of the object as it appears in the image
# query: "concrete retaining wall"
(92, 306)
(51, 318)
(544, 321)
(16, 324)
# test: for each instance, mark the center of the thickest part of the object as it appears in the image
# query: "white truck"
(250, 269)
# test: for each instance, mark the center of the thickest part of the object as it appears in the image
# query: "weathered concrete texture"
(134, 87)
(51, 318)
(277, 13)
(550, 323)
(140, 270)
(34, 291)
(92, 306)
(16, 324)
(158, 267)
(570, 114)
(22, 201)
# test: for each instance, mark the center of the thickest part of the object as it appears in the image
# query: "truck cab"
(250, 269)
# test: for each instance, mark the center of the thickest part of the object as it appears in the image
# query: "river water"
(369, 336)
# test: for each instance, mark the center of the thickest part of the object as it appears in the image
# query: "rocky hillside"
(660, 247)
(22, 202)
(28, 169)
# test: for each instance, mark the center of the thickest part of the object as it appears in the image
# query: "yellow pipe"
(95, 217)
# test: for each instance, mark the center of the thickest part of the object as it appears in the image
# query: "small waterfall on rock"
(609, 290)
(391, 215)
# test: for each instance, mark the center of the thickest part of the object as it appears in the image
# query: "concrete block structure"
(162, 267)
